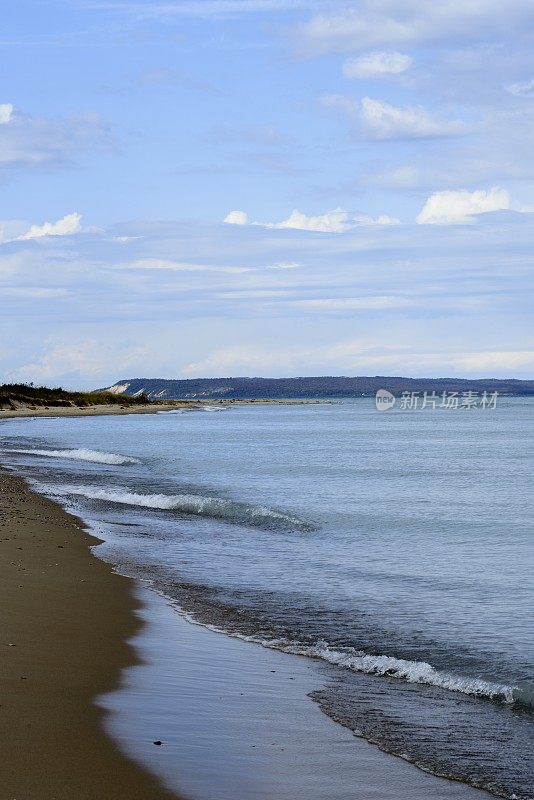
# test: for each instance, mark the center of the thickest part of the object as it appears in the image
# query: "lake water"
(396, 547)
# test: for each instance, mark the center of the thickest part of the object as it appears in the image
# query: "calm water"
(396, 547)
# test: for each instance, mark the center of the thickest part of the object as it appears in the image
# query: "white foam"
(196, 504)
(388, 666)
(413, 672)
(82, 454)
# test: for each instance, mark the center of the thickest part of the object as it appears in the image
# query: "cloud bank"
(336, 221)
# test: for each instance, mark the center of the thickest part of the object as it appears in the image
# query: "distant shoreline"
(325, 388)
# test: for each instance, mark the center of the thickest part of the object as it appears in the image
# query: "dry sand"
(64, 620)
(150, 408)
(90, 411)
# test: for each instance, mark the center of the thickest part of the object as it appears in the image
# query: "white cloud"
(461, 206)
(179, 266)
(6, 113)
(508, 360)
(382, 219)
(34, 292)
(284, 265)
(11, 264)
(349, 105)
(522, 89)
(369, 303)
(32, 142)
(83, 360)
(236, 218)
(385, 23)
(376, 64)
(336, 221)
(65, 226)
(381, 120)
(359, 356)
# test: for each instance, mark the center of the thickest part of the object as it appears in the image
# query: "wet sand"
(237, 723)
(64, 620)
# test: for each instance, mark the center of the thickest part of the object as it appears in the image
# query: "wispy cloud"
(382, 121)
(369, 303)
(438, 297)
(206, 8)
(359, 356)
(376, 65)
(29, 142)
(522, 89)
(179, 266)
(375, 23)
(81, 359)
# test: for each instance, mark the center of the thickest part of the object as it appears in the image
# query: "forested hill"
(320, 387)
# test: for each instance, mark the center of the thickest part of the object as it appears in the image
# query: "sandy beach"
(23, 410)
(64, 622)
(90, 411)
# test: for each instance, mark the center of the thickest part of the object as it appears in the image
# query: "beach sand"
(64, 620)
(23, 410)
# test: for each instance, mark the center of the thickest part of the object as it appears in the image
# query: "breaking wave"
(410, 671)
(82, 455)
(389, 666)
(195, 504)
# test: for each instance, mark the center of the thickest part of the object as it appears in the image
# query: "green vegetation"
(14, 394)
(310, 387)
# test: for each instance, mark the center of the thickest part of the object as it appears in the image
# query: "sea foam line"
(195, 504)
(410, 671)
(82, 454)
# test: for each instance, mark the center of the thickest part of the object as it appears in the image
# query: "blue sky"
(266, 187)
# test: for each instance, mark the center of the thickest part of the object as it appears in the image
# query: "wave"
(388, 666)
(82, 454)
(410, 671)
(195, 504)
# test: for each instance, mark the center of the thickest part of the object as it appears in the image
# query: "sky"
(266, 187)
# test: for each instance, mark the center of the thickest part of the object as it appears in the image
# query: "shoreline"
(251, 730)
(117, 410)
(87, 646)
(65, 623)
